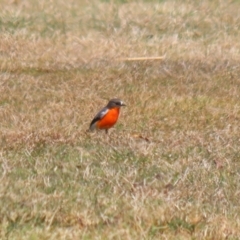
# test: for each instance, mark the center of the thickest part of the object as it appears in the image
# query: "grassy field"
(169, 169)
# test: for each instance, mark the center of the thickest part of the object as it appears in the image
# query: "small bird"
(108, 116)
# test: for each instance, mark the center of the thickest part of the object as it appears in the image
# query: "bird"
(108, 116)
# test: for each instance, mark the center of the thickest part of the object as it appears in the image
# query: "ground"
(169, 169)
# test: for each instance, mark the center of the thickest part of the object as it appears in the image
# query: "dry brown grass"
(170, 168)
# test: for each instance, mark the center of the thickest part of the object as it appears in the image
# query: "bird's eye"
(118, 103)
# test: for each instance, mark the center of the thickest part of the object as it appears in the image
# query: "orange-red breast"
(108, 116)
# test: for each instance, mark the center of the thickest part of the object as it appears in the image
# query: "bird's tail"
(92, 127)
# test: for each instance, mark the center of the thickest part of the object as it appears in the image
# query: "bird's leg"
(106, 130)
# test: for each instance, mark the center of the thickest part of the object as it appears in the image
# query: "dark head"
(115, 103)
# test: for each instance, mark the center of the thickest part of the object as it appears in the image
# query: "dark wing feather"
(98, 117)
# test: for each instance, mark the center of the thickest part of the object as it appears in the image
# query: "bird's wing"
(99, 116)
